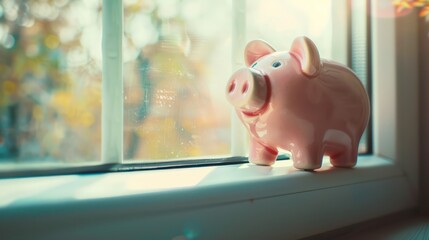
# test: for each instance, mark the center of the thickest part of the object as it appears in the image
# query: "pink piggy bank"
(297, 102)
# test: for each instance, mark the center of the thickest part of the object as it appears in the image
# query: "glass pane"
(50, 81)
(177, 60)
(279, 22)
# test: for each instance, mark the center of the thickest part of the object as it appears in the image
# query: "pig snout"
(247, 90)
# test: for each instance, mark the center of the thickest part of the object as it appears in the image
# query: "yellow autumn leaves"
(77, 109)
(402, 5)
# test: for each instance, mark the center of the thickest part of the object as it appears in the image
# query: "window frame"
(244, 200)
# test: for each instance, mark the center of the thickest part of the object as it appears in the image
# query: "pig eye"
(253, 65)
(276, 64)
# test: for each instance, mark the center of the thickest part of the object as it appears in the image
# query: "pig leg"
(346, 158)
(262, 155)
(308, 157)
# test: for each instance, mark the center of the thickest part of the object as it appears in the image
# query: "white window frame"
(240, 201)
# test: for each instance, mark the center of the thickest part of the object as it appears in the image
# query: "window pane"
(279, 22)
(177, 60)
(50, 81)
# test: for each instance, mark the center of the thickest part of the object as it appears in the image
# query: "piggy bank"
(297, 102)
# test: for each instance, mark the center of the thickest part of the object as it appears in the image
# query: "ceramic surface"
(297, 102)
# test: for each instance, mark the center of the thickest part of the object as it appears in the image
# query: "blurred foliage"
(49, 104)
(50, 82)
(406, 5)
(168, 109)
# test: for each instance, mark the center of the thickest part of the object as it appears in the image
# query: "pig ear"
(255, 50)
(308, 55)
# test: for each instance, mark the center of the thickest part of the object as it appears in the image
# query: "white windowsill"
(280, 179)
(203, 198)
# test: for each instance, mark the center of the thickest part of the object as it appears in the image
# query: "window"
(198, 202)
(176, 59)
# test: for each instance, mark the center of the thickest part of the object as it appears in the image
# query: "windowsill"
(279, 179)
(183, 192)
